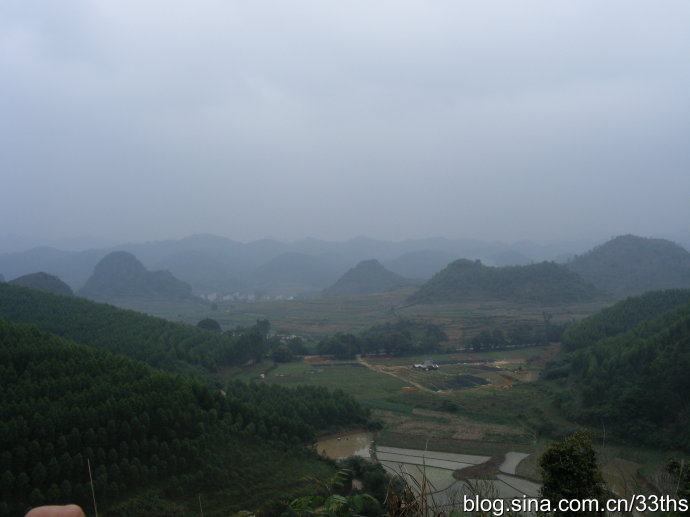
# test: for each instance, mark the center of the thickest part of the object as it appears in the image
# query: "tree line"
(402, 337)
(521, 335)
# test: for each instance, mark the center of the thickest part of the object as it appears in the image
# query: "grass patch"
(360, 382)
(386, 405)
(315, 317)
(391, 438)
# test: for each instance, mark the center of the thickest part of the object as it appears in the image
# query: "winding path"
(378, 369)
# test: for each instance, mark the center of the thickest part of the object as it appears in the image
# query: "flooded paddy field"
(345, 445)
(436, 473)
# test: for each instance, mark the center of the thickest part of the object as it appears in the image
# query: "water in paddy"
(346, 445)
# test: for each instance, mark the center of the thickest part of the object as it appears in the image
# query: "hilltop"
(43, 282)
(628, 265)
(367, 277)
(120, 275)
(463, 280)
(422, 264)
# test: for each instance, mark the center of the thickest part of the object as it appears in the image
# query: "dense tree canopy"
(158, 342)
(209, 324)
(629, 369)
(546, 282)
(628, 265)
(401, 337)
(623, 316)
(570, 471)
(64, 404)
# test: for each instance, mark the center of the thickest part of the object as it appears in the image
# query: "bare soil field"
(432, 425)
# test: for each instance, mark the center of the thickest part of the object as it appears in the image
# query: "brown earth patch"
(486, 470)
(437, 424)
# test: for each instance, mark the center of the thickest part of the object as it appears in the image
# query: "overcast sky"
(499, 120)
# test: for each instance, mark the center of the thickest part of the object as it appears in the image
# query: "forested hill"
(158, 342)
(119, 275)
(623, 316)
(43, 282)
(628, 265)
(367, 277)
(546, 282)
(630, 370)
(153, 440)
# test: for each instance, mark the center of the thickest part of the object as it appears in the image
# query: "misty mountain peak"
(121, 275)
(367, 277)
(43, 282)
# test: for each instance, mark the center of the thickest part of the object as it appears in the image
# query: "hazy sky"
(137, 120)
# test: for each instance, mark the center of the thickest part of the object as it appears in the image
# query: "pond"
(344, 445)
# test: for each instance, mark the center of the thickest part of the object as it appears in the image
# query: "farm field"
(349, 376)
(488, 403)
(502, 421)
(440, 474)
(315, 318)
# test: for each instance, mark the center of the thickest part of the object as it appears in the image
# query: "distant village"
(244, 298)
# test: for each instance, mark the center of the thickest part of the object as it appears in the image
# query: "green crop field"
(356, 380)
(321, 316)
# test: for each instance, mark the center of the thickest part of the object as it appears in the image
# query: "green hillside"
(367, 277)
(158, 342)
(155, 442)
(119, 275)
(629, 370)
(43, 282)
(628, 265)
(623, 316)
(463, 280)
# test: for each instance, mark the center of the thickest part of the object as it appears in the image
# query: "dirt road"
(379, 369)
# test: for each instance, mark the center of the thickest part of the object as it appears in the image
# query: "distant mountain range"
(212, 264)
(367, 277)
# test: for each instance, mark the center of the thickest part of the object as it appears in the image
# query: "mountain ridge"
(545, 282)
